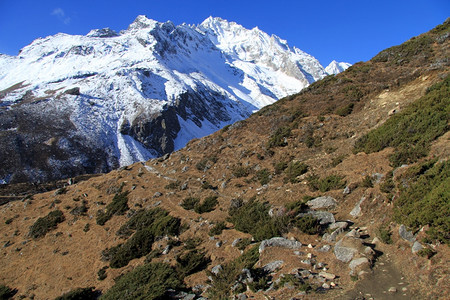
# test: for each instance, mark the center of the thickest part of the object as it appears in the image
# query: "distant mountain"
(337, 67)
(75, 104)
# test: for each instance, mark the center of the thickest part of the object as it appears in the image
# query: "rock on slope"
(88, 104)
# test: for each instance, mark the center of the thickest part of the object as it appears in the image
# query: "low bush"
(217, 229)
(385, 234)
(147, 224)
(345, 110)
(189, 203)
(367, 182)
(307, 224)
(150, 281)
(6, 292)
(279, 138)
(241, 171)
(425, 199)
(280, 167)
(295, 169)
(80, 293)
(208, 205)
(45, 224)
(118, 206)
(243, 243)
(412, 130)
(263, 176)
(294, 281)
(191, 262)
(174, 185)
(331, 182)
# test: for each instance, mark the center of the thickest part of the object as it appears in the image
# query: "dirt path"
(385, 277)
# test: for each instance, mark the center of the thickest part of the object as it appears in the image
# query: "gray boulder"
(273, 266)
(324, 217)
(356, 211)
(406, 235)
(416, 247)
(216, 270)
(322, 202)
(279, 242)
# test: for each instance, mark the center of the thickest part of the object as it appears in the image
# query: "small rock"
(416, 247)
(157, 194)
(326, 275)
(392, 290)
(235, 242)
(215, 270)
(357, 262)
(304, 273)
(166, 250)
(325, 286)
(404, 289)
(279, 242)
(405, 234)
(338, 225)
(273, 266)
(347, 190)
(356, 211)
(375, 240)
(310, 246)
(324, 248)
(219, 244)
(322, 202)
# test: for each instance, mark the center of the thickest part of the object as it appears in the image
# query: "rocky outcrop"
(279, 242)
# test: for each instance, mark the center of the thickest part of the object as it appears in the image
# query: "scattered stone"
(392, 290)
(279, 242)
(310, 246)
(157, 194)
(358, 262)
(326, 286)
(376, 240)
(235, 242)
(304, 273)
(324, 217)
(338, 225)
(404, 289)
(216, 269)
(219, 244)
(184, 186)
(156, 203)
(347, 190)
(356, 211)
(343, 253)
(377, 177)
(416, 247)
(328, 276)
(405, 234)
(241, 297)
(324, 248)
(322, 202)
(166, 250)
(273, 266)
(353, 233)
(369, 251)
(306, 262)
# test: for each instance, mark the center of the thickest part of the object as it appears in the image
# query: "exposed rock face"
(322, 202)
(405, 234)
(279, 242)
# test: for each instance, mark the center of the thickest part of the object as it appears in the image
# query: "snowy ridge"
(143, 92)
(337, 67)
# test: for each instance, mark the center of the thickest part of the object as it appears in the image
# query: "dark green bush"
(385, 235)
(147, 224)
(190, 203)
(426, 252)
(118, 206)
(45, 224)
(280, 167)
(217, 229)
(243, 243)
(279, 138)
(222, 282)
(80, 294)
(295, 169)
(307, 224)
(174, 185)
(191, 262)
(331, 182)
(367, 182)
(345, 110)
(101, 274)
(426, 200)
(294, 281)
(6, 292)
(263, 176)
(241, 171)
(150, 281)
(208, 205)
(412, 130)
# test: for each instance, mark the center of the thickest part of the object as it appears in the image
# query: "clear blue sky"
(345, 30)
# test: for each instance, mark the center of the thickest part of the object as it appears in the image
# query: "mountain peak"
(142, 21)
(337, 67)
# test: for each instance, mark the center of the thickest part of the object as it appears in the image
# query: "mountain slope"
(254, 180)
(87, 104)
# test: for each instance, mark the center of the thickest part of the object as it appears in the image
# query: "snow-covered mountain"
(72, 104)
(337, 67)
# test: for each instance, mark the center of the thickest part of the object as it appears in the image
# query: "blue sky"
(345, 30)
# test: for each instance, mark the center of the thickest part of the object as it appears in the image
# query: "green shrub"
(367, 182)
(222, 282)
(217, 229)
(280, 167)
(331, 182)
(101, 274)
(241, 171)
(385, 235)
(426, 199)
(6, 292)
(388, 185)
(149, 281)
(263, 176)
(174, 185)
(426, 252)
(279, 138)
(190, 203)
(292, 280)
(147, 224)
(345, 110)
(307, 224)
(296, 207)
(192, 262)
(412, 130)
(243, 243)
(118, 206)
(45, 224)
(253, 217)
(337, 160)
(206, 163)
(208, 205)
(295, 169)
(80, 294)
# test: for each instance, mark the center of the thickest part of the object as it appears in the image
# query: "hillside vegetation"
(311, 197)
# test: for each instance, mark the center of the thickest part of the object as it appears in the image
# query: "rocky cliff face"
(76, 104)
